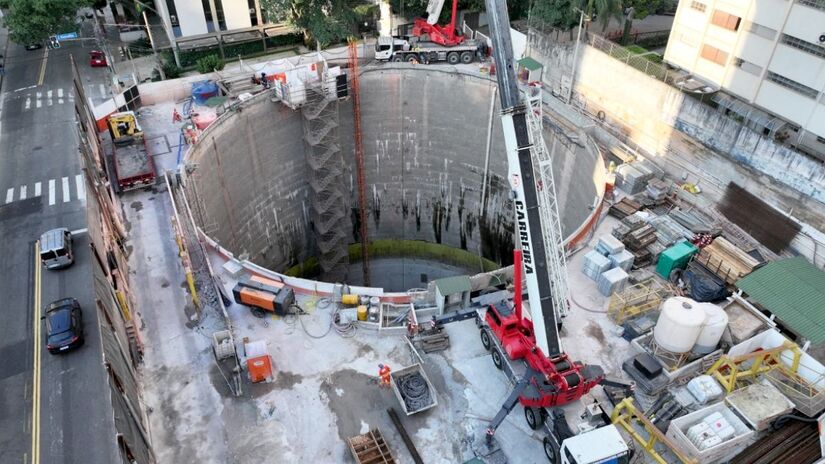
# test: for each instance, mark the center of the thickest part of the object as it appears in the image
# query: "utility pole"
(152, 43)
(576, 55)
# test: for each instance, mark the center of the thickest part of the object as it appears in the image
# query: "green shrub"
(171, 70)
(210, 63)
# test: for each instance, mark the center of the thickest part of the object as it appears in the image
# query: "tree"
(323, 21)
(30, 21)
(418, 8)
(560, 14)
(640, 9)
(603, 10)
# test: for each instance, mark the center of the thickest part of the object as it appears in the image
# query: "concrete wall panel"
(425, 137)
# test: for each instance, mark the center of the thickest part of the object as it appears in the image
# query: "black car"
(64, 325)
(34, 46)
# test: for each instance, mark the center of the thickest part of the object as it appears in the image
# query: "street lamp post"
(576, 55)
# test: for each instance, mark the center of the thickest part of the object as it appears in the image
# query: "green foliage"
(210, 63)
(323, 21)
(30, 21)
(560, 14)
(171, 70)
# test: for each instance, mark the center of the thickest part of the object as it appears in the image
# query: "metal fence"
(655, 70)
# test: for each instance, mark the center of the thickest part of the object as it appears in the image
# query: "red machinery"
(442, 35)
(550, 381)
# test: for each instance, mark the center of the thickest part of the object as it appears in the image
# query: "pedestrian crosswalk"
(53, 191)
(46, 98)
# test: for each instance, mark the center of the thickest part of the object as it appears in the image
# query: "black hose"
(780, 421)
(415, 391)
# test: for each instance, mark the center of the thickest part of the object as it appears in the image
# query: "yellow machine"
(124, 127)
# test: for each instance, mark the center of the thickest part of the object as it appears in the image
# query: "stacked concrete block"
(595, 264)
(612, 281)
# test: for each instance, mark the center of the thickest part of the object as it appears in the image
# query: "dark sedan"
(64, 325)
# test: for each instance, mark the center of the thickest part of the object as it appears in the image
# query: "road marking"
(79, 231)
(39, 103)
(26, 88)
(49, 94)
(9, 195)
(81, 187)
(59, 101)
(37, 189)
(51, 192)
(66, 197)
(28, 102)
(102, 90)
(23, 192)
(50, 101)
(43, 68)
(36, 363)
(60, 93)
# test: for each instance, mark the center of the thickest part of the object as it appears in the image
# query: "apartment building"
(767, 53)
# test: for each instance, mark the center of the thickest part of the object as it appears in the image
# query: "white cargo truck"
(412, 49)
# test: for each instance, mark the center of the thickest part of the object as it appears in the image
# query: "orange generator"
(262, 294)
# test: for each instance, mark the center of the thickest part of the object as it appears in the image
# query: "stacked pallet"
(640, 238)
(624, 208)
(726, 260)
(431, 340)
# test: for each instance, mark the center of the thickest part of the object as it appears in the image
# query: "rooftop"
(794, 290)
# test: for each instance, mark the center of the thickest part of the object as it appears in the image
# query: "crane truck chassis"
(412, 49)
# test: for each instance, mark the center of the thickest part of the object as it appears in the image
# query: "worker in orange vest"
(384, 373)
(176, 117)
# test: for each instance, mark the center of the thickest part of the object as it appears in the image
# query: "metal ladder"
(548, 205)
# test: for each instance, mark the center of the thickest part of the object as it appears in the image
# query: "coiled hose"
(415, 391)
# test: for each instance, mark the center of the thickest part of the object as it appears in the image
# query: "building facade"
(767, 53)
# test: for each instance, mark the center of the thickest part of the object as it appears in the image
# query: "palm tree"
(603, 10)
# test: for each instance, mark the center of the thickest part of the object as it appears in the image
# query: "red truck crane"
(442, 35)
(552, 378)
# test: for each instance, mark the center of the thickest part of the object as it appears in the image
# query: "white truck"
(413, 49)
(602, 445)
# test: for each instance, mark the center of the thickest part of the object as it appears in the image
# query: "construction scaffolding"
(637, 299)
(329, 203)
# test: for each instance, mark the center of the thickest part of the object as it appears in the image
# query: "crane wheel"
(535, 417)
(397, 58)
(466, 57)
(485, 340)
(411, 58)
(550, 450)
(453, 58)
(497, 361)
(258, 312)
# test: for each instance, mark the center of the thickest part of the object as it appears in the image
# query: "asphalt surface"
(41, 188)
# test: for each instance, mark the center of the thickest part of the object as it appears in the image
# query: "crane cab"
(515, 335)
(602, 445)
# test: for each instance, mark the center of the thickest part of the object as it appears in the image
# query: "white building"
(768, 53)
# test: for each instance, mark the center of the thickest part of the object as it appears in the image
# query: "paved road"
(41, 188)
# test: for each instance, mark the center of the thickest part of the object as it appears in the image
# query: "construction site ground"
(325, 388)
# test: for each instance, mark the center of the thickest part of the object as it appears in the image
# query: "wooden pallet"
(726, 260)
(370, 448)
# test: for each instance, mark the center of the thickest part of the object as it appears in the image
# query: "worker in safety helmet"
(384, 373)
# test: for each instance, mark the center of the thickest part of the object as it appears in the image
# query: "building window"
(748, 67)
(715, 55)
(812, 48)
(791, 84)
(761, 31)
(818, 4)
(698, 6)
(725, 20)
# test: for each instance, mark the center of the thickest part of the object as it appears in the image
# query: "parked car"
(97, 59)
(64, 325)
(34, 46)
(56, 248)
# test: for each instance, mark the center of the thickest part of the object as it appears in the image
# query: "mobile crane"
(431, 42)
(552, 378)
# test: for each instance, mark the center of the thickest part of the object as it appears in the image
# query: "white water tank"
(679, 325)
(716, 320)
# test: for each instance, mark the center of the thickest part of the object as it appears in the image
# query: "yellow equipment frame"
(730, 370)
(625, 414)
